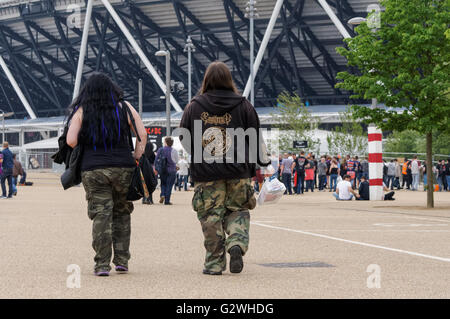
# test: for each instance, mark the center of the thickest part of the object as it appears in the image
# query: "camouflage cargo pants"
(222, 208)
(106, 192)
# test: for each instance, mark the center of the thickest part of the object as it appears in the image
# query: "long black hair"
(104, 122)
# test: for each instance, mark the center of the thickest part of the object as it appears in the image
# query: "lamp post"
(167, 55)
(251, 14)
(375, 136)
(3, 115)
(189, 48)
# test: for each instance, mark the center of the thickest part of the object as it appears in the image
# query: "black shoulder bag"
(138, 187)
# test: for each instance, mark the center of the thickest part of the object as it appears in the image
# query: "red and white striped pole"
(375, 163)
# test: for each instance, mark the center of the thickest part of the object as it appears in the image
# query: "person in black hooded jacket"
(221, 170)
(150, 155)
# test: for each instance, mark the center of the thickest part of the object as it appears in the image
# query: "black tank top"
(118, 156)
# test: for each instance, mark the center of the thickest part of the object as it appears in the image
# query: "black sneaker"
(214, 273)
(236, 262)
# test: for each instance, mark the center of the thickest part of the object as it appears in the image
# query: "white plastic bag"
(271, 191)
(267, 171)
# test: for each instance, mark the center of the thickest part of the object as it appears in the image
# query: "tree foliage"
(296, 123)
(410, 141)
(348, 138)
(405, 65)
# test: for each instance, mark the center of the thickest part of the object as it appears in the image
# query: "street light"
(167, 55)
(2, 116)
(251, 14)
(375, 145)
(189, 48)
(355, 22)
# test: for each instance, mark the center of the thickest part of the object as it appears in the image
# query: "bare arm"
(140, 146)
(74, 128)
(350, 189)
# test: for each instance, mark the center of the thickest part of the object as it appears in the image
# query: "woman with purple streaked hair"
(101, 122)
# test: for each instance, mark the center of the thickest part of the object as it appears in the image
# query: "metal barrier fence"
(39, 159)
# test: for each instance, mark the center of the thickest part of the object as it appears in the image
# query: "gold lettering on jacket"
(216, 120)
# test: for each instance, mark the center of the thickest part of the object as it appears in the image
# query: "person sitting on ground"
(344, 190)
(364, 190)
(17, 170)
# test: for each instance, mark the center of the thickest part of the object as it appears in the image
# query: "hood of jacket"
(219, 101)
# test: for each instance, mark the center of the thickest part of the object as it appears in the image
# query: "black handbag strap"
(133, 122)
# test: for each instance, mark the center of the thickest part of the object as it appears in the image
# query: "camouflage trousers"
(106, 192)
(222, 208)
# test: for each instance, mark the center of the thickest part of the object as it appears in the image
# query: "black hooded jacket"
(221, 110)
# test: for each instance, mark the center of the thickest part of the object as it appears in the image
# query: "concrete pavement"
(404, 247)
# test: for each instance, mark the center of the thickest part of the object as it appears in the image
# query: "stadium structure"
(40, 45)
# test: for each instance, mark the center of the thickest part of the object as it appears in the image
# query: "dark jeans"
(167, 182)
(322, 182)
(396, 183)
(310, 185)
(407, 180)
(183, 179)
(287, 183)
(390, 181)
(7, 176)
(300, 183)
(333, 181)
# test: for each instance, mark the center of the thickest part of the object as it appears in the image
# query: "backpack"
(161, 163)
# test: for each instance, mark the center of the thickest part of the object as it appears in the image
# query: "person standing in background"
(183, 171)
(447, 174)
(405, 175)
(7, 168)
(300, 169)
(398, 173)
(365, 168)
(287, 166)
(275, 162)
(309, 174)
(169, 173)
(415, 173)
(358, 171)
(441, 176)
(334, 172)
(150, 156)
(322, 173)
(390, 174)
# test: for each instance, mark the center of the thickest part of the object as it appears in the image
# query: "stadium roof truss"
(40, 45)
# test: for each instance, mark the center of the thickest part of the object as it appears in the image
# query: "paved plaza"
(308, 246)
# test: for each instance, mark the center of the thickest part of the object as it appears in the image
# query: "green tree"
(410, 141)
(348, 138)
(403, 142)
(405, 65)
(296, 123)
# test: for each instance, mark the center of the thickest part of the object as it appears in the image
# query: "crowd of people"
(302, 173)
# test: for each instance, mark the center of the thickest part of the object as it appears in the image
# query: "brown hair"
(218, 77)
(169, 141)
